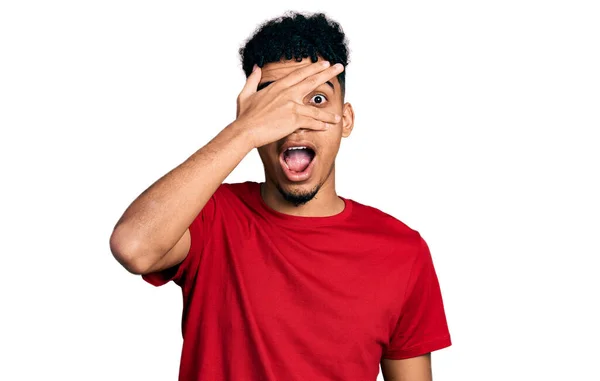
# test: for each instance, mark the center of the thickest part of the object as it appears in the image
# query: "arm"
(412, 369)
(153, 233)
(422, 327)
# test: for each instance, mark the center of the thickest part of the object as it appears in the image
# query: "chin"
(298, 194)
(295, 168)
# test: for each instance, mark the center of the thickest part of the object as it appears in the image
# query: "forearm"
(158, 217)
(411, 369)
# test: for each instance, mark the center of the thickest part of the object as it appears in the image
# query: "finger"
(317, 79)
(306, 122)
(301, 74)
(252, 82)
(318, 114)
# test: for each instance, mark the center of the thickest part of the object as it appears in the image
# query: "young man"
(286, 280)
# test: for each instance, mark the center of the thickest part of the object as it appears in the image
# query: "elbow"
(130, 254)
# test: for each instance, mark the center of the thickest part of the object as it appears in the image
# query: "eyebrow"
(267, 83)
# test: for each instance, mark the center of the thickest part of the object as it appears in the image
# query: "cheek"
(267, 152)
(330, 144)
(262, 153)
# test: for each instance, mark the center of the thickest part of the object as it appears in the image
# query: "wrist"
(241, 134)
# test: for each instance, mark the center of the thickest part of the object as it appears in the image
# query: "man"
(286, 280)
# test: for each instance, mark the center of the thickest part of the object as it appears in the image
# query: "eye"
(318, 99)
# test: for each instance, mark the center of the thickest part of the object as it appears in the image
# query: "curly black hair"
(297, 35)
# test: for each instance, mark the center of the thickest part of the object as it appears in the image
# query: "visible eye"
(319, 99)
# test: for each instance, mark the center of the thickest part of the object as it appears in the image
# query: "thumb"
(252, 81)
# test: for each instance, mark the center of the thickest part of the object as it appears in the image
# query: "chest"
(338, 298)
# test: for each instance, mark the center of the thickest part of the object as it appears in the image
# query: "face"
(299, 188)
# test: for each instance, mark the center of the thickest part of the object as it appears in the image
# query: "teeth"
(292, 148)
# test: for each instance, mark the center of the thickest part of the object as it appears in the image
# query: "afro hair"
(297, 36)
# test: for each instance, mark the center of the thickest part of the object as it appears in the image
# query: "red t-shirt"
(270, 296)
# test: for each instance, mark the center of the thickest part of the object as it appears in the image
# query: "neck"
(325, 203)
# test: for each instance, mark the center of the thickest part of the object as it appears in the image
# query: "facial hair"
(298, 198)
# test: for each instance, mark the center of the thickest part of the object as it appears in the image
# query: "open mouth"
(297, 162)
(298, 159)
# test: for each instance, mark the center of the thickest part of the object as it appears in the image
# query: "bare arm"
(412, 369)
(159, 218)
(153, 234)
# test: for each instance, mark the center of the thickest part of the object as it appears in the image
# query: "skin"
(153, 235)
(326, 202)
(412, 369)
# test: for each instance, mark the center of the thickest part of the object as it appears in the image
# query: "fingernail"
(338, 66)
(254, 68)
(325, 63)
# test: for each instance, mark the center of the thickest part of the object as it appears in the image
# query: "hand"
(278, 110)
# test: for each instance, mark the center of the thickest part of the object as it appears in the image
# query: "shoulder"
(371, 215)
(391, 232)
(232, 198)
(235, 190)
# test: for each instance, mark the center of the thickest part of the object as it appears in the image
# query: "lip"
(294, 176)
(302, 143)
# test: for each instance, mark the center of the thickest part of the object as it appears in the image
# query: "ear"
(347, 120)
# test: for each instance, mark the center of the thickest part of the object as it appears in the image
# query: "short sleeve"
(422, 326)
(200, 230)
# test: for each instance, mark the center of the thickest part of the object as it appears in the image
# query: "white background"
(476, 124)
